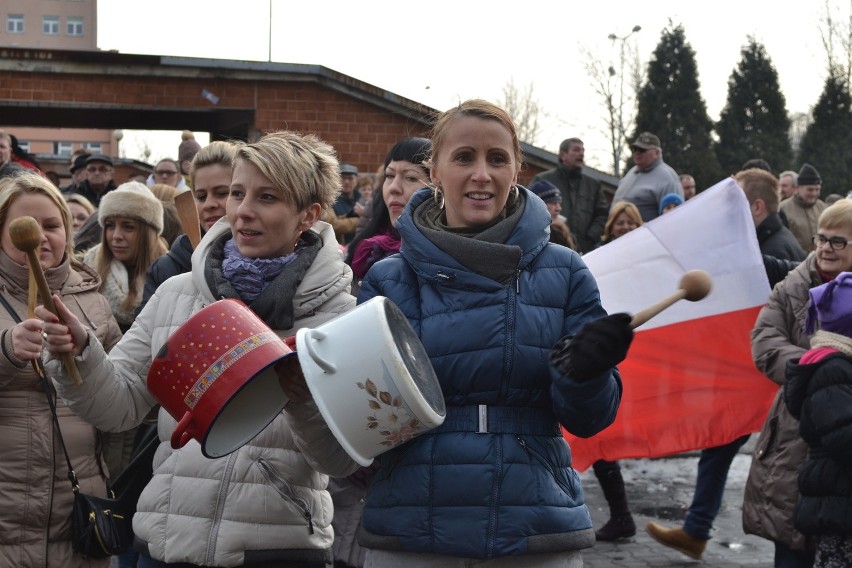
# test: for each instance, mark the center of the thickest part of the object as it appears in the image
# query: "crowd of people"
(490, 276)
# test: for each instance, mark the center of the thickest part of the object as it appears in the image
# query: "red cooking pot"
(215, 375)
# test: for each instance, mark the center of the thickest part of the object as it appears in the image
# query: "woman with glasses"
(779, 337)
(166, 171)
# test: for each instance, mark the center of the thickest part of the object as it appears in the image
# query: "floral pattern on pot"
(392, 418)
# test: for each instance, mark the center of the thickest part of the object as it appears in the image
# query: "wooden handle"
(694, 286)
(188, 216)
(642, 316)
(47, 299)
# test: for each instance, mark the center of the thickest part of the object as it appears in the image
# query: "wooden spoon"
(25, 234)
(188, 216)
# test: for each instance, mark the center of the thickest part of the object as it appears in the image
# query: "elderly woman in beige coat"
(35, 527)
(778, 337)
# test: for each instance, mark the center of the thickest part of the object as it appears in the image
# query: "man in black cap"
(78, 171)
(649, 180)
(583, 201)
(98, 180)
(804, 207)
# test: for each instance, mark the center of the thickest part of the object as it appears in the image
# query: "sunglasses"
(102, 169)
(637, 150)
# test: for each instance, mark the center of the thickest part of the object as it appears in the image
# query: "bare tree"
(799, 123)
(617, 84)
(525, 110)
(835, 31)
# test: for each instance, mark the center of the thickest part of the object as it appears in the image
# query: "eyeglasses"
(837, 243)
(165, 172)
(637, 150)
(94, 169)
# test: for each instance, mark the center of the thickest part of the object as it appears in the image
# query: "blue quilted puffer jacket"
(511, 490)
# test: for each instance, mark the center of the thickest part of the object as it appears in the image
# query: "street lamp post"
(617, 127)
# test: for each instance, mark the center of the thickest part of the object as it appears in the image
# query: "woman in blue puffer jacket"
(505, 318)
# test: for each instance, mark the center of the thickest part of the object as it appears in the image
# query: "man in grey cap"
(649, 180)
(804, 207)
(345, 208)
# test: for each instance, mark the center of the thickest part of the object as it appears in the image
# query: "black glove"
(599, 346)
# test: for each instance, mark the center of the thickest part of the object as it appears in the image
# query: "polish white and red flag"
(689, 380)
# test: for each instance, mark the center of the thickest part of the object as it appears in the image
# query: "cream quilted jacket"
(222, 512)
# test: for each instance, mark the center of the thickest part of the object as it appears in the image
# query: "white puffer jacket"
(221, 512)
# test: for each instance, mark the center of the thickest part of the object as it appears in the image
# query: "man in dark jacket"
(7, 166)
(99, 180)
(781, 253)
(583, 201)
(761, 190)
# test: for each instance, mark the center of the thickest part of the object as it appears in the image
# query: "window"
(15, 24)
(62, 148)
(94, 147)
(75, 26)
(24, 145)
(50, 25)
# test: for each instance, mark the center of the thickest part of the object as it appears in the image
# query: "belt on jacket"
(484, 419)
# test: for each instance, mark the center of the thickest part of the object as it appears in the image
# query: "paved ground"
(660, 490)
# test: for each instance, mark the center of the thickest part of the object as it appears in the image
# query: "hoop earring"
(514, 193)
(439, 198)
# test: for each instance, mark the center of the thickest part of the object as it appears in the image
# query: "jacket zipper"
(220, 508)
(536, 455)
(280, 485)
(508, 353)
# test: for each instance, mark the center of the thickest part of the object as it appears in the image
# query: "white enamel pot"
(376, 394)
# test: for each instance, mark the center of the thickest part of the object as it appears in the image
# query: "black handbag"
(102, 526)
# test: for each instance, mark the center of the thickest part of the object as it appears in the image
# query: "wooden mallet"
(25, 234)
(694, 286)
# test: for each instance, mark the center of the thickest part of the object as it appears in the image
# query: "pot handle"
(181, 435)
(316, 335)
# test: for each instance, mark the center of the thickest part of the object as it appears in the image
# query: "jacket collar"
(530, 235)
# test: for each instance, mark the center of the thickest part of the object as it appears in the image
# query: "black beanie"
(809, 176)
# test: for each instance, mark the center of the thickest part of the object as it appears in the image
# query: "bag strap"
(40, 371)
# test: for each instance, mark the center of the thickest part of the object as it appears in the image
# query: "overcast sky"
(443, 51)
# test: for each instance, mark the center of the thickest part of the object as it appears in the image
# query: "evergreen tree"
(827, 143)
(670, 106)
(754, 122)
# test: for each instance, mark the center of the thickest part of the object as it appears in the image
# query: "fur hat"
(546, 191)
(831, 305)
(188, 148)
(809, 176)
(670, 199)
(134, 200)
